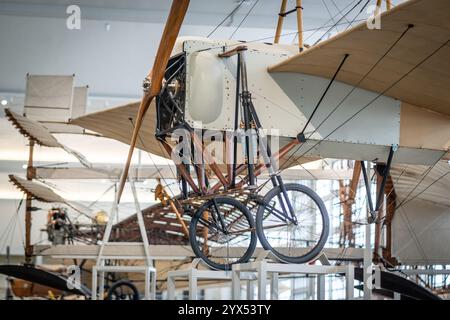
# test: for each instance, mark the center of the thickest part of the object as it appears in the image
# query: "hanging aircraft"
(378, 95)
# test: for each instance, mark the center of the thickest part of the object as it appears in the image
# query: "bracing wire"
(245, 17)
(226, 18)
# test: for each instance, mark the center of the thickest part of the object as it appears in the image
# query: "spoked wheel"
(298, 238)
(123, 290)
(222, 232)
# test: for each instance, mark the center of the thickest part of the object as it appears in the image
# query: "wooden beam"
(355, 181)
(388, 4)
(179, 218)
(300, 24)
(390, 212)
(28, 218)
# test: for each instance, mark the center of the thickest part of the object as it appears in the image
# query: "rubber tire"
(325, 221)
(123, 283)
(193, 236)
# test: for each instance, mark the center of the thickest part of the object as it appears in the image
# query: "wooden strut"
(182, 169)
(390, 211)
(162, 195)
(379, 3)
(282, 15)
(388, 4)
(300, 24)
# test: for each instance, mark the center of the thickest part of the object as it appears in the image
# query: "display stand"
(193, 275)
(264, 270)
(100, 268)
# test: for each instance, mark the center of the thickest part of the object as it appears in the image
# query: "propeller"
(156, 75)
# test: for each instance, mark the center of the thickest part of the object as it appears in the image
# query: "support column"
(300, 24)
(193, 285)
(94, 284)
(349, 282)
(390, 211)
(170, 288)
(262, 281)
(274, 286)
(236, 283)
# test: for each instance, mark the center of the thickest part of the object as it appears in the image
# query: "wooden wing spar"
(169, 36)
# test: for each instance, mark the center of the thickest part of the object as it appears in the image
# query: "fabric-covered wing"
(36, 190)
(117, 123)
(35, 131)
(41, 192)
(32, 129)
(427, 86)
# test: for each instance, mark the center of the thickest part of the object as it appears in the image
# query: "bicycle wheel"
(293, 241)
(222, 232)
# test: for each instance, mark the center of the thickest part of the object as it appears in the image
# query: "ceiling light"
(4, 102)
